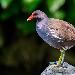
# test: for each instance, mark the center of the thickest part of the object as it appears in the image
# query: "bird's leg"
(61, 59)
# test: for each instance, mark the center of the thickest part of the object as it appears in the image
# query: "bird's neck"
(41, 22)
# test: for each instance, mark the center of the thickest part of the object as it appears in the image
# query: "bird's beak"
(30, 18)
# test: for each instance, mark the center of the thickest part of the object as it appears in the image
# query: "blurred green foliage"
(54, 5)
(5, 3)
(19, 42)
(29, 5)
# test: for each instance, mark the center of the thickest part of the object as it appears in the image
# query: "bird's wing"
(62, 29)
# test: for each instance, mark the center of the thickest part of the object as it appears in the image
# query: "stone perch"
(65, 69)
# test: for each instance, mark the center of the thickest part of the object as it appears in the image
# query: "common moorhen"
(57, 33)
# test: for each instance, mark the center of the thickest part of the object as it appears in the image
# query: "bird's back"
(64, 30)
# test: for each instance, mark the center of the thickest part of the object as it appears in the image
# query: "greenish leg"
(61, 59)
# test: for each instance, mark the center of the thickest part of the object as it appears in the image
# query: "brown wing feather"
(63, 29)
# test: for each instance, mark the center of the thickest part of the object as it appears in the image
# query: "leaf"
(54, 5)
(59, 14)
(29, 5)
(11, 11)
(5, 3)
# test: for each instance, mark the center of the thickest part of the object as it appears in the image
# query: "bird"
(57, 33)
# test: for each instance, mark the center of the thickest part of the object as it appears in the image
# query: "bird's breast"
(48, 36)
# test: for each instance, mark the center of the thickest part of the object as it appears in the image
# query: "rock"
(65, 69)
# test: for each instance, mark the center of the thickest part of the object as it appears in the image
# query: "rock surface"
(65, 69)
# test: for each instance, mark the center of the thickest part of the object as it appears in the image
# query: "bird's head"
(39, 15)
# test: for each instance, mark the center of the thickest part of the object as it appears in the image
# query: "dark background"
(22, 51)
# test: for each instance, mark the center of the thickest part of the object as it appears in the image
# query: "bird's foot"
(57, 68)
(54, 67)
(53, 63)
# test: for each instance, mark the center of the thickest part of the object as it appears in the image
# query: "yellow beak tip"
(27, 19)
